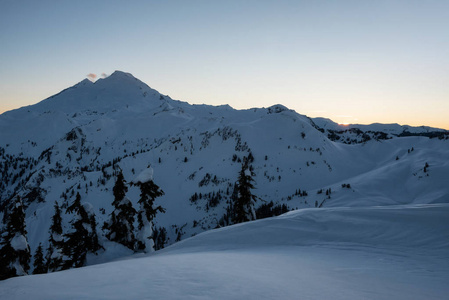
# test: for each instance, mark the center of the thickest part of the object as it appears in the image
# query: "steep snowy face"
(118, 91)
(42, 124)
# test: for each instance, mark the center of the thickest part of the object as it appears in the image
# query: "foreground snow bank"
(397, 252)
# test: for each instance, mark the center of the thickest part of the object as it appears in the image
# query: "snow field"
(396, 252)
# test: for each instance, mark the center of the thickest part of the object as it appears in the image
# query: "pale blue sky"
(351, 61)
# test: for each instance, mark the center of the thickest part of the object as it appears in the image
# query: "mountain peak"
(121, 74)
(84, 82)
(123, 79)
(277, 108)
(114, 92)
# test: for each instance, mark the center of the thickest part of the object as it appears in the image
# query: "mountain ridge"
(120, 78)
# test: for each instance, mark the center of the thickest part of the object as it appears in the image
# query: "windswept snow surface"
(394, 252)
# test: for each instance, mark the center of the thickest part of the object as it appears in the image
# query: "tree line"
(70, 249)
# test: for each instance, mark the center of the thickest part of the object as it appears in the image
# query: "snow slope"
(395, 252)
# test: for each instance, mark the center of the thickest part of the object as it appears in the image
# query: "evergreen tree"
(82, 239)
(56, 241)
(245, 200)
(121, 223)
(39, 265)
(149, 191)
(228, 217)
(159, 237)
(93, 244)
(14, 252)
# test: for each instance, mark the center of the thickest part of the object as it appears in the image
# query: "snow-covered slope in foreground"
(395, 252)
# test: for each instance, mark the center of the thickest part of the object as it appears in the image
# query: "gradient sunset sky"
(350, 61)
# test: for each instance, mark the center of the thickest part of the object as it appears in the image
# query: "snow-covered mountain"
(77, 140)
